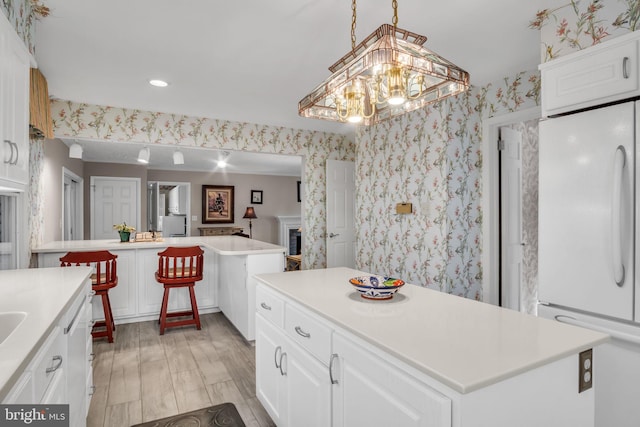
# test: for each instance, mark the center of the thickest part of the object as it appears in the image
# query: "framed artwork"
(217, 204)
(299, 200)
(256, 197)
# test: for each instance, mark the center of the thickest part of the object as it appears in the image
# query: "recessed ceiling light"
(158, 83)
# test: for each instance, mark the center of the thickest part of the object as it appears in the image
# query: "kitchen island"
(423, 358)
(228, 285)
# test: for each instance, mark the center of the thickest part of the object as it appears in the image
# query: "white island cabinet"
(230, 262)
(327, 357)
(47, 357)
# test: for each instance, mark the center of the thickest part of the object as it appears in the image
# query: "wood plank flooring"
(143, 376)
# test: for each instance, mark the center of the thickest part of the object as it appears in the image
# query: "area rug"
(225, 414)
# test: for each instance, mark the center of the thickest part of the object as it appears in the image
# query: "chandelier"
(388, 74)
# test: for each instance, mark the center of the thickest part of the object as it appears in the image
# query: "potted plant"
(124, 230)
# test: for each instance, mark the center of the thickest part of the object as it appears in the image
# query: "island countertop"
(44, 294)
(464, 344)
(223, 245)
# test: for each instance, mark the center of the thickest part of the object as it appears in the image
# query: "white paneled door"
(511, 217)
(114, 201)
(341, 188)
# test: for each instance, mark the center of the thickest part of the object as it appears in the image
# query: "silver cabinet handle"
(55, 368)
(617, 227)
(302, 333)
(10, 161)
(282, 372)
(331, 360)
(275, 356)
(265, 306)
(625, 70)
(15, 162)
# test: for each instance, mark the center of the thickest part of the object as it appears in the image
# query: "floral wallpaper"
(20, 16)
(431, 158)
(578, 24)
(121, 124)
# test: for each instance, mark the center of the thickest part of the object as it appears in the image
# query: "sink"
(9, 322)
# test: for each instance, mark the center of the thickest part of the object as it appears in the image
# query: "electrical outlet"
(194, 218)
(585, 370)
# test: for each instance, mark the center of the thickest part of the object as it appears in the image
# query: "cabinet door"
(372, 392)
(308, 401)
(270, 382)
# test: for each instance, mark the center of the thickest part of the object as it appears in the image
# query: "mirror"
(168, 207)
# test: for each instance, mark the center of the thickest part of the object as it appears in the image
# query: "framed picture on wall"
(217, 204)
(256, 197)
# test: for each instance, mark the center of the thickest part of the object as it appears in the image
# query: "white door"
(113, 201)
(341, 188)
(72, 203)
(511, 218)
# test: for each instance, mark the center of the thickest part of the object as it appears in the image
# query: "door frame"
(79, 205)
(491, 199)
(92, 201)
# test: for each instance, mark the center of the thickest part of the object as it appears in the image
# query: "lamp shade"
(250, 213)
(144, 155)
(178, 158)
(75, 151)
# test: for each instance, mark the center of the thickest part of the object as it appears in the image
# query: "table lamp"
(251, 214)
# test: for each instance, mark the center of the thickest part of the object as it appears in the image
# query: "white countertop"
(462, 343)
(44, 294)
(223, 245)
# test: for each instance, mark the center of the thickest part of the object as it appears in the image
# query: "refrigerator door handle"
(616, 238)
(623, 336)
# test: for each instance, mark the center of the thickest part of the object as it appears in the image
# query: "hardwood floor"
(143, 376)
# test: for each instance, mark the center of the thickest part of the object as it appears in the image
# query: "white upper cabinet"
(14, 103)
(604, 73)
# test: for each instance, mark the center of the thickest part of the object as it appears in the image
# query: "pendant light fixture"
(144, 155)
(388, 74)
(75, 151)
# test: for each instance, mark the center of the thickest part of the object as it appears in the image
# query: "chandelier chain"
(394, 21)
(353, 25)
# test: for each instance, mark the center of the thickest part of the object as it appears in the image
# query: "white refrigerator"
(587, 258)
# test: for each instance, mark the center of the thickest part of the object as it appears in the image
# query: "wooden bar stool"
(179, 268)
(104, 277)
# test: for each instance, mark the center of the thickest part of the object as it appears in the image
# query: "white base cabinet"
(293, 386)
(61, 372)
(312, 372)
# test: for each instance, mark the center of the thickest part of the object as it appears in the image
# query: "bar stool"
(179, 268)
(104, 277)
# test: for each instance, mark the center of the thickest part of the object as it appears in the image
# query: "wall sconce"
(178, 158)
(75, 151)
(144, 155)
(250, 214)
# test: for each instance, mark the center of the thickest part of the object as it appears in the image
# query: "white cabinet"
(603, 73)
(293, 386)
(14, 103)
(237, 287)
(371, 391)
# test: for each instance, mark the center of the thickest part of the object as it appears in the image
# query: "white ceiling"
(253, 60)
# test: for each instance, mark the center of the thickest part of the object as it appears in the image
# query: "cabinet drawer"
(47, 362)
(309, 332)
(270, 306)
(604, 73)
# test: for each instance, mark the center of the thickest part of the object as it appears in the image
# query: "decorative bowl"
(376, 287)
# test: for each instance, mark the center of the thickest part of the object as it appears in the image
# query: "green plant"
(124, 227)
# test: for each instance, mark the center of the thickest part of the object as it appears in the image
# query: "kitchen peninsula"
(424, 357)
(228, 285)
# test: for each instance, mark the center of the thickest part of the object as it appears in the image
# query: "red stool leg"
(108, 321)
(194, 306)
(163, 310)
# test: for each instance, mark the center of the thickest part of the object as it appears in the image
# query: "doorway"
(72, 206)
(169, 208)
(509, 267)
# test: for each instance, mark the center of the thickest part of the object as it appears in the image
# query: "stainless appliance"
(588, 214)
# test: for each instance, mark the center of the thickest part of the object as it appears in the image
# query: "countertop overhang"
(464, 344)
(223, 245)
(45, 294)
